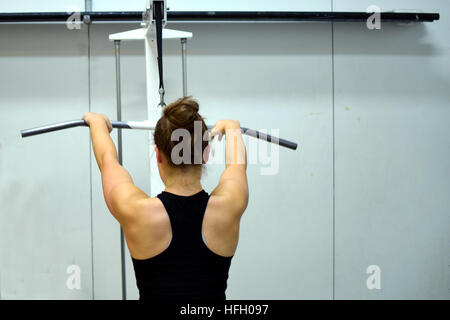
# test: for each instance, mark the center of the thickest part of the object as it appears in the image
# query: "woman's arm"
(233, 185)
(123, 198)
(100, 128)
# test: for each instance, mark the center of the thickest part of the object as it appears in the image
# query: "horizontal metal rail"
(219, 16)
(147, 125)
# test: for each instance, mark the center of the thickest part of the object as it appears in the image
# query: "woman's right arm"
(233, 187)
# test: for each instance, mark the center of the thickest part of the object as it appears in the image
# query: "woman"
(182, 241)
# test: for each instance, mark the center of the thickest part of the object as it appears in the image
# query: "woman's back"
(187, 269)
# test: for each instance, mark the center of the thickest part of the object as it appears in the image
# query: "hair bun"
(182, 112)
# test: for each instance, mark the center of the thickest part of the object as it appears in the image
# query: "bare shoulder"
(221, 213)
(151, 210)
(150, 216)
(220, 228)
(150, 232)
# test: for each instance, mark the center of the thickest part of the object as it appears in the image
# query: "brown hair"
(181, 114)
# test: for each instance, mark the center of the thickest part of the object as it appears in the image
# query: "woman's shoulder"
(152, 211)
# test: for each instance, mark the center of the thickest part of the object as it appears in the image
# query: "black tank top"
(187, 269)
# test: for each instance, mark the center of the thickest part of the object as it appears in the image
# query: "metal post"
(87, 5)
(184, 65)
(119, 153)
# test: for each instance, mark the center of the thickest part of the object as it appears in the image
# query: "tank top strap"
(186, 217)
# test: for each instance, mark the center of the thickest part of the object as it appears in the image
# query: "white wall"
(41, 5)
(45, 223)
(392, 155)
(174, 5)
(232, 81)
(217, 5)
(368, 185)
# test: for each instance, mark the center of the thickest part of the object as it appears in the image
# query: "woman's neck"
(184, 183)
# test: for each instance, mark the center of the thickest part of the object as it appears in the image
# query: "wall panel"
(392, 151)
(45, 223)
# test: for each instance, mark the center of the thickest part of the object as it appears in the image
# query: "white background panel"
(389, 148)
(392, 151)
(274, 77)
(41, 6)
(217, 5)
(389, 5)
(220, 63)
(44, 180)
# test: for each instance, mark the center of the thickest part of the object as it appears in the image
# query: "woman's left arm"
(124, 199)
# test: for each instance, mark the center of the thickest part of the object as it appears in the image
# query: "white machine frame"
(148, 34)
